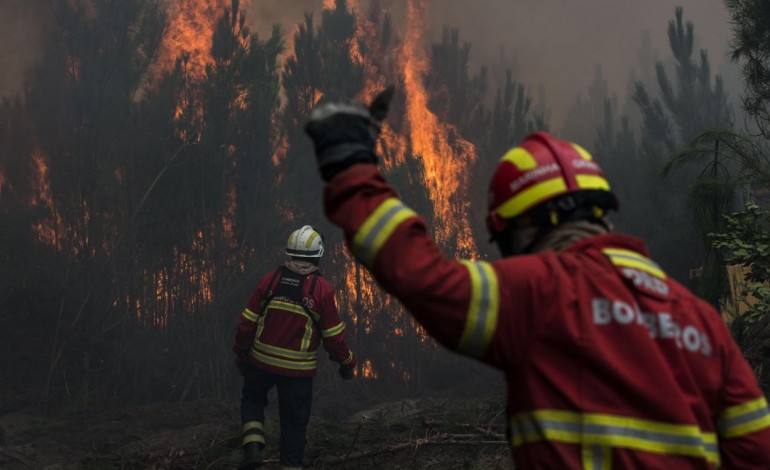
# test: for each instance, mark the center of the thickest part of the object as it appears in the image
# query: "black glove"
(346, 373)
(346, 133)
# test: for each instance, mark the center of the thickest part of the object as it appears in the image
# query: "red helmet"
(542, 169)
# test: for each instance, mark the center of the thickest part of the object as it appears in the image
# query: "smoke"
(20, 27)
(554, 45)
(558, 43)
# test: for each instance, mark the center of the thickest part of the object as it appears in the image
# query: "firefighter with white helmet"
(290, 312)
(610, 362)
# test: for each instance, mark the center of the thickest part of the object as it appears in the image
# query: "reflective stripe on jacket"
(610, 363)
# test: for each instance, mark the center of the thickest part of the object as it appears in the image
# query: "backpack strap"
(271, 289)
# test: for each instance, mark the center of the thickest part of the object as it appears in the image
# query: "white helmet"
(305, 243)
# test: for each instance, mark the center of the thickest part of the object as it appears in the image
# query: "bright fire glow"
(445, 154)
(367, 370)
(191, 25)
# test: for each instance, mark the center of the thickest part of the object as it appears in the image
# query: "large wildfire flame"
(191, 26)
(445, 155)
(447, 166)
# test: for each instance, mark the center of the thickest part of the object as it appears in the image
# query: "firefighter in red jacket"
(291, 310)
(610, 363)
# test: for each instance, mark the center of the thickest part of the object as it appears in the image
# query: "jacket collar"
(615, 240)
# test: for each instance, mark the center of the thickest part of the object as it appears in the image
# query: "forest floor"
(426, 433)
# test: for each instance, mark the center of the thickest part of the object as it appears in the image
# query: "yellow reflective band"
(333, 331)
(249, 315)
(287, 353)
(349, 359)
(249, 425)
(743, 419)
(521, 159)
(274, 361)
(596, 457)
(293, 308)
(377, 229)
(592, 182)
(632, 259)
(589, 429)
(519, 203)
(481, 321)
(248, 439)
(305, 344)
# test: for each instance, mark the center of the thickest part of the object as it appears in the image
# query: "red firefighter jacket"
(286, 317)
(609, 362)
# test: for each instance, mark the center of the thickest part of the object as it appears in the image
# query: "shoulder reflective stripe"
(287, 353)
(530, 196)
(744, 419)
(274, 361)
(249, 315)
(481, 320)
(349, 359)
(333, 331)
(596, 457)
(614, 431)
(633, 259)
(249, 425)
(378, 227)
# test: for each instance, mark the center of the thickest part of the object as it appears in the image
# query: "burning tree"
(155, 178)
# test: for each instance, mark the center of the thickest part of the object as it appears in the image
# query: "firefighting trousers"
(295, 396)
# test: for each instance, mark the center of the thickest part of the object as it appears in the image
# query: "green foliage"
(750, 21)
(745, 241)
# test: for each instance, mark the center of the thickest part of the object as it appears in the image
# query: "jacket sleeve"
(247, 321)
(743, 423)
(332, 328)
(457, 302)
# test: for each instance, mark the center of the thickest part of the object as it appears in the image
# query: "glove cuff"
(353, 154)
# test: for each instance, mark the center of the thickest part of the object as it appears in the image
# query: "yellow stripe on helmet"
(592, 182)
(521, 202)
(521, 159)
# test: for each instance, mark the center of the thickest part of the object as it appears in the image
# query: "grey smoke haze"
(19, 41)
(556, 43)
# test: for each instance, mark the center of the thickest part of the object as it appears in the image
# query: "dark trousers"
(295, 397)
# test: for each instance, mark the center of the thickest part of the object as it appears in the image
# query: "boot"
(251, 459)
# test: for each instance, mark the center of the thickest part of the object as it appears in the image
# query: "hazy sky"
(554, 42)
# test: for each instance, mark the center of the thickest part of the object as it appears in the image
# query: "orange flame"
(191, 25)
(367, 370)
(445, 154)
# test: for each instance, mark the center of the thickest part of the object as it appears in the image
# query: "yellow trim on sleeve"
(377, 229)
(333, 331)
(746, 418)
(249, 315)
(481, 319)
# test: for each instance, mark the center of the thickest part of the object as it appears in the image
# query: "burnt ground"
(442, 431)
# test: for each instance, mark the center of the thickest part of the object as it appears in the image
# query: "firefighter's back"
(625, 368)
